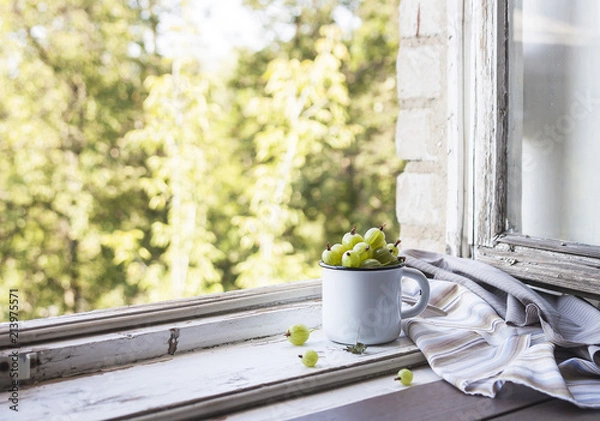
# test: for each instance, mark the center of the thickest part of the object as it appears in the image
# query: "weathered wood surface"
(69, 357)
(565, 266)
(302, 405)
(93, 322)
(566, 247)
(456, 200)
(209, 382)
(566, 272)
(486, 119)
(100, 352)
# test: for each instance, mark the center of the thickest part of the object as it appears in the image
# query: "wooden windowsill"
(225, 356)
(88, 342)
(223, 353)
(126, 318)
(210, 382)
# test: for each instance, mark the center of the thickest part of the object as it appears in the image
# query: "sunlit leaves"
(70, 91)
(182, 178)
(305, 103)
(128, 179)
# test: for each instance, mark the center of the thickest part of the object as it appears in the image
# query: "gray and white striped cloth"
(499, 330)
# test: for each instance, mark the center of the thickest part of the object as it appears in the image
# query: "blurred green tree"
(71, 83)
(185, 174)
(128, 178)
(347, 177)
(302, 112)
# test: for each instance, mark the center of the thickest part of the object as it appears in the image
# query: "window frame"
(563, 266)
(71, 345)
(57, 349)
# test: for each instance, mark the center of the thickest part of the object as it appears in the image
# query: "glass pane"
(554, 119)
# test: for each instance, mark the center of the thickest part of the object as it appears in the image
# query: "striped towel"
(497, 329)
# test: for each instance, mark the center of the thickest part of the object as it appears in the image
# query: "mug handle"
(425, 292)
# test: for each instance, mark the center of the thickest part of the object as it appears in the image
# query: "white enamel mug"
(365, 305)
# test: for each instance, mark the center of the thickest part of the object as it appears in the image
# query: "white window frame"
(564, 266)
(106, 340)
(60, 346)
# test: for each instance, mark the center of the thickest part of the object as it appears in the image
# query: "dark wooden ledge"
(441, 401)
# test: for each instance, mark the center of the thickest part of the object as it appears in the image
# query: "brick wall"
(422, 124)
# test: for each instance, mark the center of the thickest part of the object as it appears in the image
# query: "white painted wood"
(104, 351)
(488, 66)
(62, 327)
(209, 381)
(309, 404)
(560, 271)
(88, 354)
(456, 241)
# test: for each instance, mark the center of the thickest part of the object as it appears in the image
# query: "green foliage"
(127, 178)
(303, 111)
(183, 173)
(70, 90)
(355, 184)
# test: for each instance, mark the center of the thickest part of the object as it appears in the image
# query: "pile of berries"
(358, 251)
